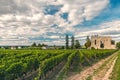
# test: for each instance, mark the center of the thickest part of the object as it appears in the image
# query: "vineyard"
(116, 70)
(47, 64)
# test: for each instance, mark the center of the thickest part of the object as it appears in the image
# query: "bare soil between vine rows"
(98, 71)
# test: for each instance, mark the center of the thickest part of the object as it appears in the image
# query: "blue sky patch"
(50, 20)
(64, 16)
(52, 9)
(112, 12)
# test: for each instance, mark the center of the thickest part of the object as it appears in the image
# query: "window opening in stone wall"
(112, 42)
(95, 42)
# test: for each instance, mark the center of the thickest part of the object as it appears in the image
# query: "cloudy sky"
(23, 22)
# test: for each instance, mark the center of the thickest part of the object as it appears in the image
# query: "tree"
(43, 45)
(88, 39)
(39, 45)
(72, 42)
(62, 47)
(77, 44)
(55, 47)
(67, 41)
(118, 45)
(34, 44)
(88, 42)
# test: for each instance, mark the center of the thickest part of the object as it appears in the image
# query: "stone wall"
(102, 42)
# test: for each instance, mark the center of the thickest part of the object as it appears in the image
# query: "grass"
(103, 65)
(116, 70)
(89, 77)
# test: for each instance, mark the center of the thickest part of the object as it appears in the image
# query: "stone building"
(102, 42)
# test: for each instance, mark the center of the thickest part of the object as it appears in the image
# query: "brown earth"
(98, 71)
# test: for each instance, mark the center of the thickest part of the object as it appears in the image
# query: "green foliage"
(69, 61)
(88, 42)
(43, 45)
(72, 42)
(116, 69)
(118, 45)
(2, 73)
(34, 45)
(67, 42)
(77, 44)
(16, 63)
(39, 45)
(49, 64)
(82, 57)
(62, 47)
(15, 69)
(92, 48)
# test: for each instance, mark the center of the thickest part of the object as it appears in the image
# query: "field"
(49, 64)
(116, 71)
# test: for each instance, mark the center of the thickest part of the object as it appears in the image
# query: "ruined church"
(102, 42)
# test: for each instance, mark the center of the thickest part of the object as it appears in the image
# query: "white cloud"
(26, 19)
(105, 29)
(82, 10)
(93, 8)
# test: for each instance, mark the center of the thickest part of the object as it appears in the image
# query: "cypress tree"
(72, 42)
(67, 42)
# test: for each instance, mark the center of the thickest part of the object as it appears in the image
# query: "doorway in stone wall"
(101, 44)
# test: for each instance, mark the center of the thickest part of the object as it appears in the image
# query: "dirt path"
(107, 75)
(106, 65)
(105, 70)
